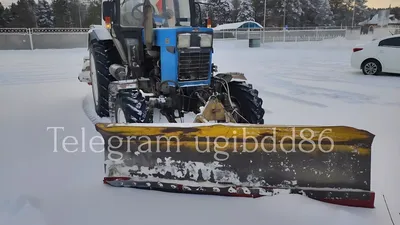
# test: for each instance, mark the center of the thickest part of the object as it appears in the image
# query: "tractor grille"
(193, 65)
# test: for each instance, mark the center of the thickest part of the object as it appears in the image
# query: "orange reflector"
(107, 19)
(208, 23)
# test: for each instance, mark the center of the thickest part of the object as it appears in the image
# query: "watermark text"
(242, 140)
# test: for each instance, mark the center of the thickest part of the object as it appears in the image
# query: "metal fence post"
(262, 35)
(30, 37)
(284, 35)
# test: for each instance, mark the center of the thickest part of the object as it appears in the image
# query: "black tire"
(133, 106)
(367, 64)
(250, 105)
(104, 54)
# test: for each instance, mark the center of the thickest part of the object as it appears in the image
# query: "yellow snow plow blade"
(329, 163)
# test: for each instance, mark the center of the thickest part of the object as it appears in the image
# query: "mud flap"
(84, 75)
(327, 163)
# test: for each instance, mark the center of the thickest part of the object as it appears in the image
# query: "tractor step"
(84, 75)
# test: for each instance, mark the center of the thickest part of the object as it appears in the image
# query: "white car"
(382, 55)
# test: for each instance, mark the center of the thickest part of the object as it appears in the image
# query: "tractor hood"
(164, 37)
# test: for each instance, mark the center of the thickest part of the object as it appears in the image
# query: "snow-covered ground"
(301, 83)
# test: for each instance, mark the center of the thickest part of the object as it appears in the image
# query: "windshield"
(167, 13)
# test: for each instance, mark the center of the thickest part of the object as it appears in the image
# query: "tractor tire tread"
(103, 53)
(250, 102)
(134, 106)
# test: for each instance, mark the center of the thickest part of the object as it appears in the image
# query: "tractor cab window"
(166, 13)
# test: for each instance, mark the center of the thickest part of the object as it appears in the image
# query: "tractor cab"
(166, 13)
(161, 39)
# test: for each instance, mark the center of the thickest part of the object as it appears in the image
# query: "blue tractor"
(155, 54)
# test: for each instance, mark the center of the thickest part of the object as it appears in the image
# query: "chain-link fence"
(42, 38)
(298, 34)
(63, 38)
(281, 35)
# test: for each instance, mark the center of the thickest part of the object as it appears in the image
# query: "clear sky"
(383, 3)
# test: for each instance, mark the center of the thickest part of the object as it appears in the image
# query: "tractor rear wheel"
(247, 103)
(131, 107)
(101, 54)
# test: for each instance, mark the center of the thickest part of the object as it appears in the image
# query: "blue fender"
(98, 33)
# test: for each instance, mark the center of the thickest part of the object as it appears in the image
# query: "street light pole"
(284, 21)
(354, 13)
(265, 13)
(265, 10)
(284, 14)
(79, 11)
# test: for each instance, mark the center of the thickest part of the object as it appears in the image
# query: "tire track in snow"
(88, 108)
(34, 76)
(357, 79)
(40, 66)
(297, 89)
(26, 209)
(289, 98)
(34, 81)
(267, 111)
(345, 96)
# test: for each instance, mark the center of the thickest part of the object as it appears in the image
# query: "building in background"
(382, 19)
(229, 30)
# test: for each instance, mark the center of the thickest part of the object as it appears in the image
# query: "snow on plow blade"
(331, 164)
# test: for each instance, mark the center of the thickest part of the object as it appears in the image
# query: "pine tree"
(68, 22)
(44, 14)
(235, 10)
(84, 12)
(324, 15)
(11, 16)
(93, 14)
(308, 17)
(246, 12)
(340, 12)
(219, 11)
(257, 8)
(62, 13)
(361, 11)
(241, 10)
(23, 14)
(396, 12)
(76, 12)
(293, 12)
(2, 19)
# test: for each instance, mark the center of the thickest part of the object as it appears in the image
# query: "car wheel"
(371, 67)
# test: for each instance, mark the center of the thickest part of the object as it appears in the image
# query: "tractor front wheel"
(101, 54)
(247, 103)
(131, 107)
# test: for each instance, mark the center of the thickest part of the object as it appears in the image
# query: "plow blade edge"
(327, 163)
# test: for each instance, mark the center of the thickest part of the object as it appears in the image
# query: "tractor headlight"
(205, 40)
(184, 40)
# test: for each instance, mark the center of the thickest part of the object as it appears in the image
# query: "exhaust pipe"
(148, 24)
